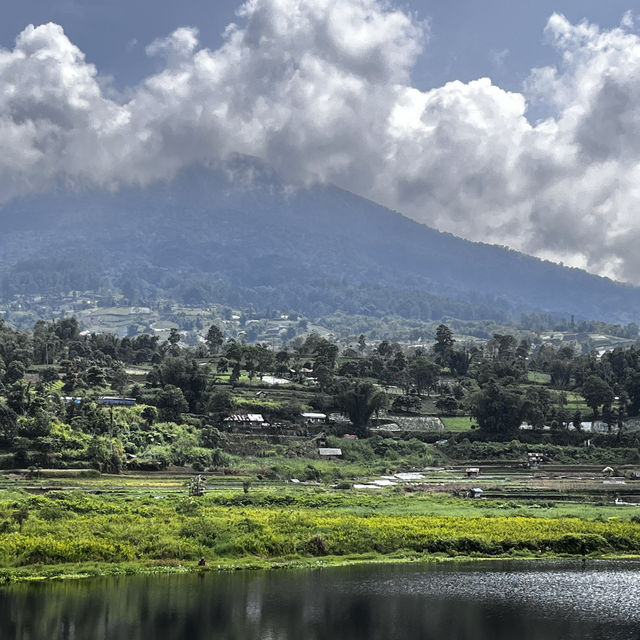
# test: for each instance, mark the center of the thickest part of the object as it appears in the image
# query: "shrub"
(315, 546)
(578, 544)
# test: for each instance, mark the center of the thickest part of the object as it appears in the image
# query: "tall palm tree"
(359, 402)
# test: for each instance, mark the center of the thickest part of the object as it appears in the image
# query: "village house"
(312, 418)
(246, 421)
(595, 427)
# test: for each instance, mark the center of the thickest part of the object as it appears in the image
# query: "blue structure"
(117, 401)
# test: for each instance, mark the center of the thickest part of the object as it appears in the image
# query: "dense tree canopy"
(498, 408)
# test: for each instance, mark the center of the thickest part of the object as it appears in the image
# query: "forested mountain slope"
(205, 237)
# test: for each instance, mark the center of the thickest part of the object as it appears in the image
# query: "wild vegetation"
(72, 528)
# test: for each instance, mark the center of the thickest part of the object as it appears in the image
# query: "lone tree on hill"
(423, 374)
(597, 392)
(214, 339)
(498, 408)
(443, 348)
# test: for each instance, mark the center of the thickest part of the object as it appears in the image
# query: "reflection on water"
(498, 601)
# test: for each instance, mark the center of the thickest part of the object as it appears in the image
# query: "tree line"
(187, 393)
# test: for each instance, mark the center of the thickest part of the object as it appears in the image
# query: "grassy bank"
(72, 533)
(80, 571)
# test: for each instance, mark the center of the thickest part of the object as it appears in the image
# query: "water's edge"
(81, 571)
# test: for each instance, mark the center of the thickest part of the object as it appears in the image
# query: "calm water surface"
(496, 601)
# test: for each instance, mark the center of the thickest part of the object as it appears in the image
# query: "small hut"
(329, 452)
(534, 460)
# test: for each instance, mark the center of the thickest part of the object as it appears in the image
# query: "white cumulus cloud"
(321, 90)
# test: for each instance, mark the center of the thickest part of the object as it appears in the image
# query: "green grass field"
(458, 424)
(538, 377)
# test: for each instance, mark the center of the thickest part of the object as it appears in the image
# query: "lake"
(479, 601)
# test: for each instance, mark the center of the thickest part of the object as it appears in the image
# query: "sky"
(515, 123)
